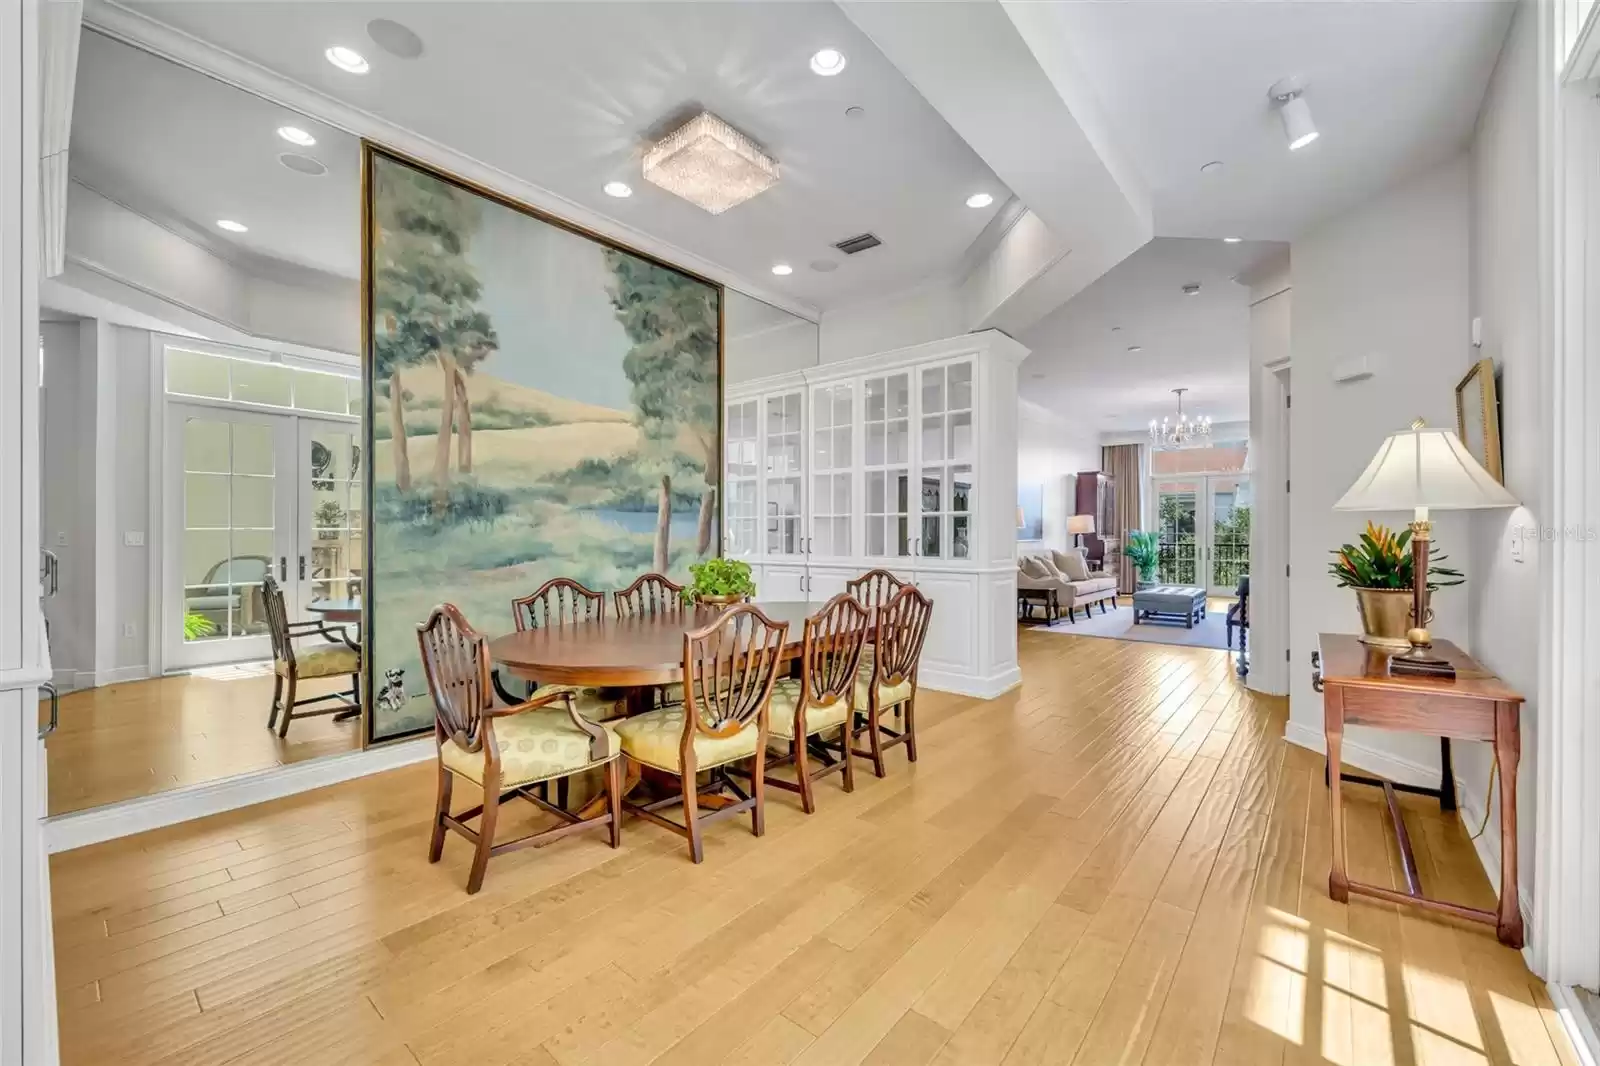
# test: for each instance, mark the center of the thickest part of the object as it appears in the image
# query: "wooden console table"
(1357, 690)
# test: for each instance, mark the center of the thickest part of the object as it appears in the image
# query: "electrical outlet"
(133, 538)
(127, 629)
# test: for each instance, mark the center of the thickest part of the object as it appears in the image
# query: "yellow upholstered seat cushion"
(534, 746)
(330, 661)
(888, 695)
(780, 716)
(654, 738)
(591, 704)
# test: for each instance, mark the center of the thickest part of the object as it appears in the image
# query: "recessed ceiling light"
(980, 199)
(231, 226)
(1116, 329)
(302, 164)
(347, 59)
(394, 38)
(1212, 167)
(1135, 348)
(1232, 240)
(296, 135)
(828, 62)
(782, 269)
(618, 189)
(854, 111)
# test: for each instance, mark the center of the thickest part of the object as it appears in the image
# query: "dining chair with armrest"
(890, 680)
(505, 750)
(821, 699)
(729, 668)
(337, 655)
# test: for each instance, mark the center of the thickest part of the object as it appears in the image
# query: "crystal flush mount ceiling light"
(710, 164)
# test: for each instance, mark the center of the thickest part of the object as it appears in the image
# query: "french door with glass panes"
(247, 494)
(1203, 524)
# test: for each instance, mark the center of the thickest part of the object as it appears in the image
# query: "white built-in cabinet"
(906, 461)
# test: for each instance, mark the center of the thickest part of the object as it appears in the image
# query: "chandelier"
(710, 164)
(1183, 433)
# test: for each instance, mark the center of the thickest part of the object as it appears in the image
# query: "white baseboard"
(986, 688)
(82, 828)
(1393, 768)
(1576, 1023)
(96, 679)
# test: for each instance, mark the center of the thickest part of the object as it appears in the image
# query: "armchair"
(337, 655)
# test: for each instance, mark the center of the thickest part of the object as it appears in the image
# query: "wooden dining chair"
(890, 679)
(729, 668)
(335, 656)
(874, 588)
(821, 699)
(560, 601)
(505, 750)
(650, 594)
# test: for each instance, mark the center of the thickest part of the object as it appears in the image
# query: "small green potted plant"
(1380, 571)
(1144, 552)
(720, 581)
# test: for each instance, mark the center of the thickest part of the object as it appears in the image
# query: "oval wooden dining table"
(633, 653)
(630, 652)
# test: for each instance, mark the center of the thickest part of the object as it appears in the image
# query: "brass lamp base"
(1418, 662)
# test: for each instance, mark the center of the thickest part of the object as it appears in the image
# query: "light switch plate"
(133, 538)
(1519, 546)
(61, 539)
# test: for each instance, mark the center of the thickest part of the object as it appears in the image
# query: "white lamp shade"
(1424, 467)
(1080, 523)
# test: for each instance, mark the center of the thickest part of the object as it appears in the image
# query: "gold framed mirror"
(1478, 416)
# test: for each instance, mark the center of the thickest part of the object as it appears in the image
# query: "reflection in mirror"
(210, 302)
(762, 340)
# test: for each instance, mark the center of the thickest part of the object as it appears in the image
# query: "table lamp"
(1078, 525)
(1417, 470)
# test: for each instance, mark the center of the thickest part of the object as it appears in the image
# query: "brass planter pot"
(722, 601)
(1385, 617)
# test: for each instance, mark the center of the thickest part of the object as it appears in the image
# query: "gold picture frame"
(1478, 416)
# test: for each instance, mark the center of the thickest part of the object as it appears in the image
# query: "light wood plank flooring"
(138, 738)
(1121, 862)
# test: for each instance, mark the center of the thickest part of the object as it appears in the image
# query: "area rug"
(1117, 624)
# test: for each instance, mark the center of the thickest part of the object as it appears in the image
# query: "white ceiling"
(181, 147)
(1081, 367)
(1393, 87)
(564, 94)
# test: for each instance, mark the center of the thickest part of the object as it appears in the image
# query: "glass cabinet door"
(832, 458)
(945, 456)
(785, 473)
(741, 479)
(886, 425)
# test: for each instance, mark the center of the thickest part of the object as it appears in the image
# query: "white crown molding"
(142, 31)
(82, 828)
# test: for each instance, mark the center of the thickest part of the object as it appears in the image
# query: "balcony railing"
(1179, 562)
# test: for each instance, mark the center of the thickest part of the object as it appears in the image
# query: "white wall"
(1387, 279)
(1503, 595)
(1271, 344)
(66, 497)
(131, 587)
(780, 349)
(1051, 450)
(918, 316)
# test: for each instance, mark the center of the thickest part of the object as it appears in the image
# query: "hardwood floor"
(1121, 862)
(138, 738)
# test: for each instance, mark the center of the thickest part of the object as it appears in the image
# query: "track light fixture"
(1298, 127)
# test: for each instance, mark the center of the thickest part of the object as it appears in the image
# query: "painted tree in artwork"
(424, 291)
(672, 321)
(474, 343)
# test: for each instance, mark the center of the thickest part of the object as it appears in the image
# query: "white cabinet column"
(27, 992)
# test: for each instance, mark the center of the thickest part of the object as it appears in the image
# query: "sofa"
(1063, 579)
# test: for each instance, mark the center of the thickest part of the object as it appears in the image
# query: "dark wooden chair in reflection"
(874, 588)
(821, 700)
(729, 669)
(654, 594)
(335, 655)
(890, 680)
(505, 750)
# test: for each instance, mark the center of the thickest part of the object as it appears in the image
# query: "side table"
(1476, 705)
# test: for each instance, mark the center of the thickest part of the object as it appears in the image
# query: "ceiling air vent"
(852, 245)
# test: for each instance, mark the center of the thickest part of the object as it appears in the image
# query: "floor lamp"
(1418, 470)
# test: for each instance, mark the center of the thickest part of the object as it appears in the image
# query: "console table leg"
(1507, 749)
(1447, 786)
(1333, 725)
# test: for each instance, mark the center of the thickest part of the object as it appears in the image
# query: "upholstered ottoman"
(1170, 603)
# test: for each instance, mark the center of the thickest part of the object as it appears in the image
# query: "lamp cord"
(1494, 772)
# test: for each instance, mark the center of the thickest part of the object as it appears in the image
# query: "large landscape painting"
(541, 405)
